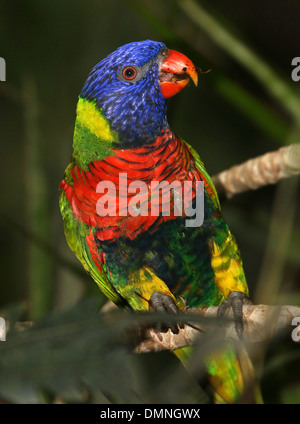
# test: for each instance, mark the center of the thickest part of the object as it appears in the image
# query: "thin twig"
(39, 263)
(258, 172)
(281, 90)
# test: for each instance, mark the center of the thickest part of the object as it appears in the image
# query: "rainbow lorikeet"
(139, 256)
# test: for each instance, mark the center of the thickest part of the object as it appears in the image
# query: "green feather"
(200, 166)
(76, 233)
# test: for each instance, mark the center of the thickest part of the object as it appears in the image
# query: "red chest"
(125, 174)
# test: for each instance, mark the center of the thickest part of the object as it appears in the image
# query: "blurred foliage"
(247, 105)
(79, 355)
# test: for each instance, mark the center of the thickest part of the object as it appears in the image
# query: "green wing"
(225, 255)
(81, 240)
(200, 166)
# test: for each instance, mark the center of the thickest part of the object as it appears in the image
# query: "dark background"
(50, 47)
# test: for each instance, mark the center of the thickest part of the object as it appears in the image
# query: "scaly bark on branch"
(261, 323)
(258, 172)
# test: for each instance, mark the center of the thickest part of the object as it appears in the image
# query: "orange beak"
(175, 73)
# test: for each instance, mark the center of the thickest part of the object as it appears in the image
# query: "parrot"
(142, 255)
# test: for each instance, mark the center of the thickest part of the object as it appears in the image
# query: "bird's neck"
(94, 139)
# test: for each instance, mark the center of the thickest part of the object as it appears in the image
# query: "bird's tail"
(231, 374)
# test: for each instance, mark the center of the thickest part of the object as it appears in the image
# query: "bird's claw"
(236, 300)
(160, 302)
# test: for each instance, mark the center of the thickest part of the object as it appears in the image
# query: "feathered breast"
(125, 174)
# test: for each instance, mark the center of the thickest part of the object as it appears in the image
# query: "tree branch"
(261, 324)
(258, 172)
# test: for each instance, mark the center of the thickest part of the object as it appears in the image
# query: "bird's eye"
(129, 73)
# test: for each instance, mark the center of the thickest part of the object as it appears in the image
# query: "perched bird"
(142, 252)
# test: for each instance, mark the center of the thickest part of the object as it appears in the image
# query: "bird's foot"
(236, 300)
(160, 302)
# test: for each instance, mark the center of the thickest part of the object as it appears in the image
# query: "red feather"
(168, 159)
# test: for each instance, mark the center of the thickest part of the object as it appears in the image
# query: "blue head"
(125, 85)
(130, 87)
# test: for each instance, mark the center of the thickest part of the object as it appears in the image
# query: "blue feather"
(136, 110)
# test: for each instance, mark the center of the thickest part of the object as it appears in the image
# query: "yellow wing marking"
(229, 274)
(141, 285)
